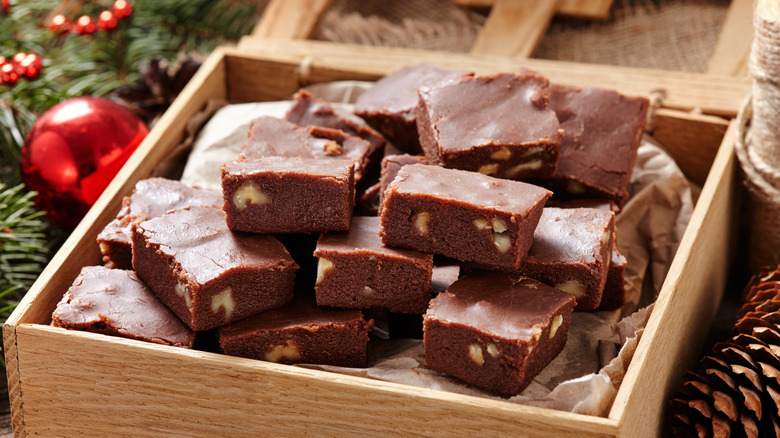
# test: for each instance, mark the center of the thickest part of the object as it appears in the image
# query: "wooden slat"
(514, 27)
(14, 380)
(709, 94)
(293, 19)
(592, 9)
(696, 280)
(692, 140)
(139, 389)
(732, 52)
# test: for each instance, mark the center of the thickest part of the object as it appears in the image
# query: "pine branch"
(24, 245)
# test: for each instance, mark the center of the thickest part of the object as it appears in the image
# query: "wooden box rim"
(629, 415)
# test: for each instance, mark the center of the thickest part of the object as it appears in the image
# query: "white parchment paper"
(585, 377)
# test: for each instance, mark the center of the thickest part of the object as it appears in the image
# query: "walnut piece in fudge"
(464, 215)
(602, 130)
(116, 302)
(208, 275)
(151, 198)
(496, 125)
(301, 333)
(389, 105)
(288, 195)
(496, 331)
(356, 270)
(571, 251)
(272, 137)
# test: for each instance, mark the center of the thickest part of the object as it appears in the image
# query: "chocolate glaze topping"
(505, 109)
(502, 304)
(363, 235)
(468, 187)
(206, 248)
(117, 302)
(397, 92)
(568, 234)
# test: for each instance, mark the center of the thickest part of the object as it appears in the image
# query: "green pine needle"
(24, 245)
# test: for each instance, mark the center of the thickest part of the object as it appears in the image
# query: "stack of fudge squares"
(440, 213)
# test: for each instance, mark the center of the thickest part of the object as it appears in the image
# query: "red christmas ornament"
(74, 150)
(85, 25)
(107, 21)
(122, 9)
(59, 24)
(6, 6)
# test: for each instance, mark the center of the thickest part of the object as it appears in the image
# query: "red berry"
(107, 20)
(122, 9)
(16, 63)
(85, 25)
(32, 65)
(8, 74)
(59, 24)
(6, 6)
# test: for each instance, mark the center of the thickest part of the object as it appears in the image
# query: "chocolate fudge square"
(116, 302)
(356, 270)
(614, 296)
(288, 195)
(207, 274)
(496, 331)
(307, 111)
(602, 131)
(497, 125)
(273, 137)
(151, 198)
(464, 215)
(389, 105)
(390, 166)
(571, 251)
(301, 333)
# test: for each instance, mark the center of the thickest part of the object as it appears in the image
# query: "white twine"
(764, 132)
(757, 143)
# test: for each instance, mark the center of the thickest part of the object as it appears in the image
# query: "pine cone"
(153, 93)
(736, 391)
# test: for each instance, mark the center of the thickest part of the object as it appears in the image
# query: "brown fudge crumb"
(464, 215)
(497, 125)
(496, 331)
(208, 275)
(356, 270)
(116, 302)
(151, 198)
(571, 251)
(389, 105)
(288, 195)
(602, 131)
(301, 333)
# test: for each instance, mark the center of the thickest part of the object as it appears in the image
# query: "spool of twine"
(758, 143)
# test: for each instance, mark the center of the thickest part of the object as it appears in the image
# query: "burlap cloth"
(662, 34)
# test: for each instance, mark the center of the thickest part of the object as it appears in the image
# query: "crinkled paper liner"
(585, 377)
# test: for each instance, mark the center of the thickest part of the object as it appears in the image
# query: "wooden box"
(68, 383)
